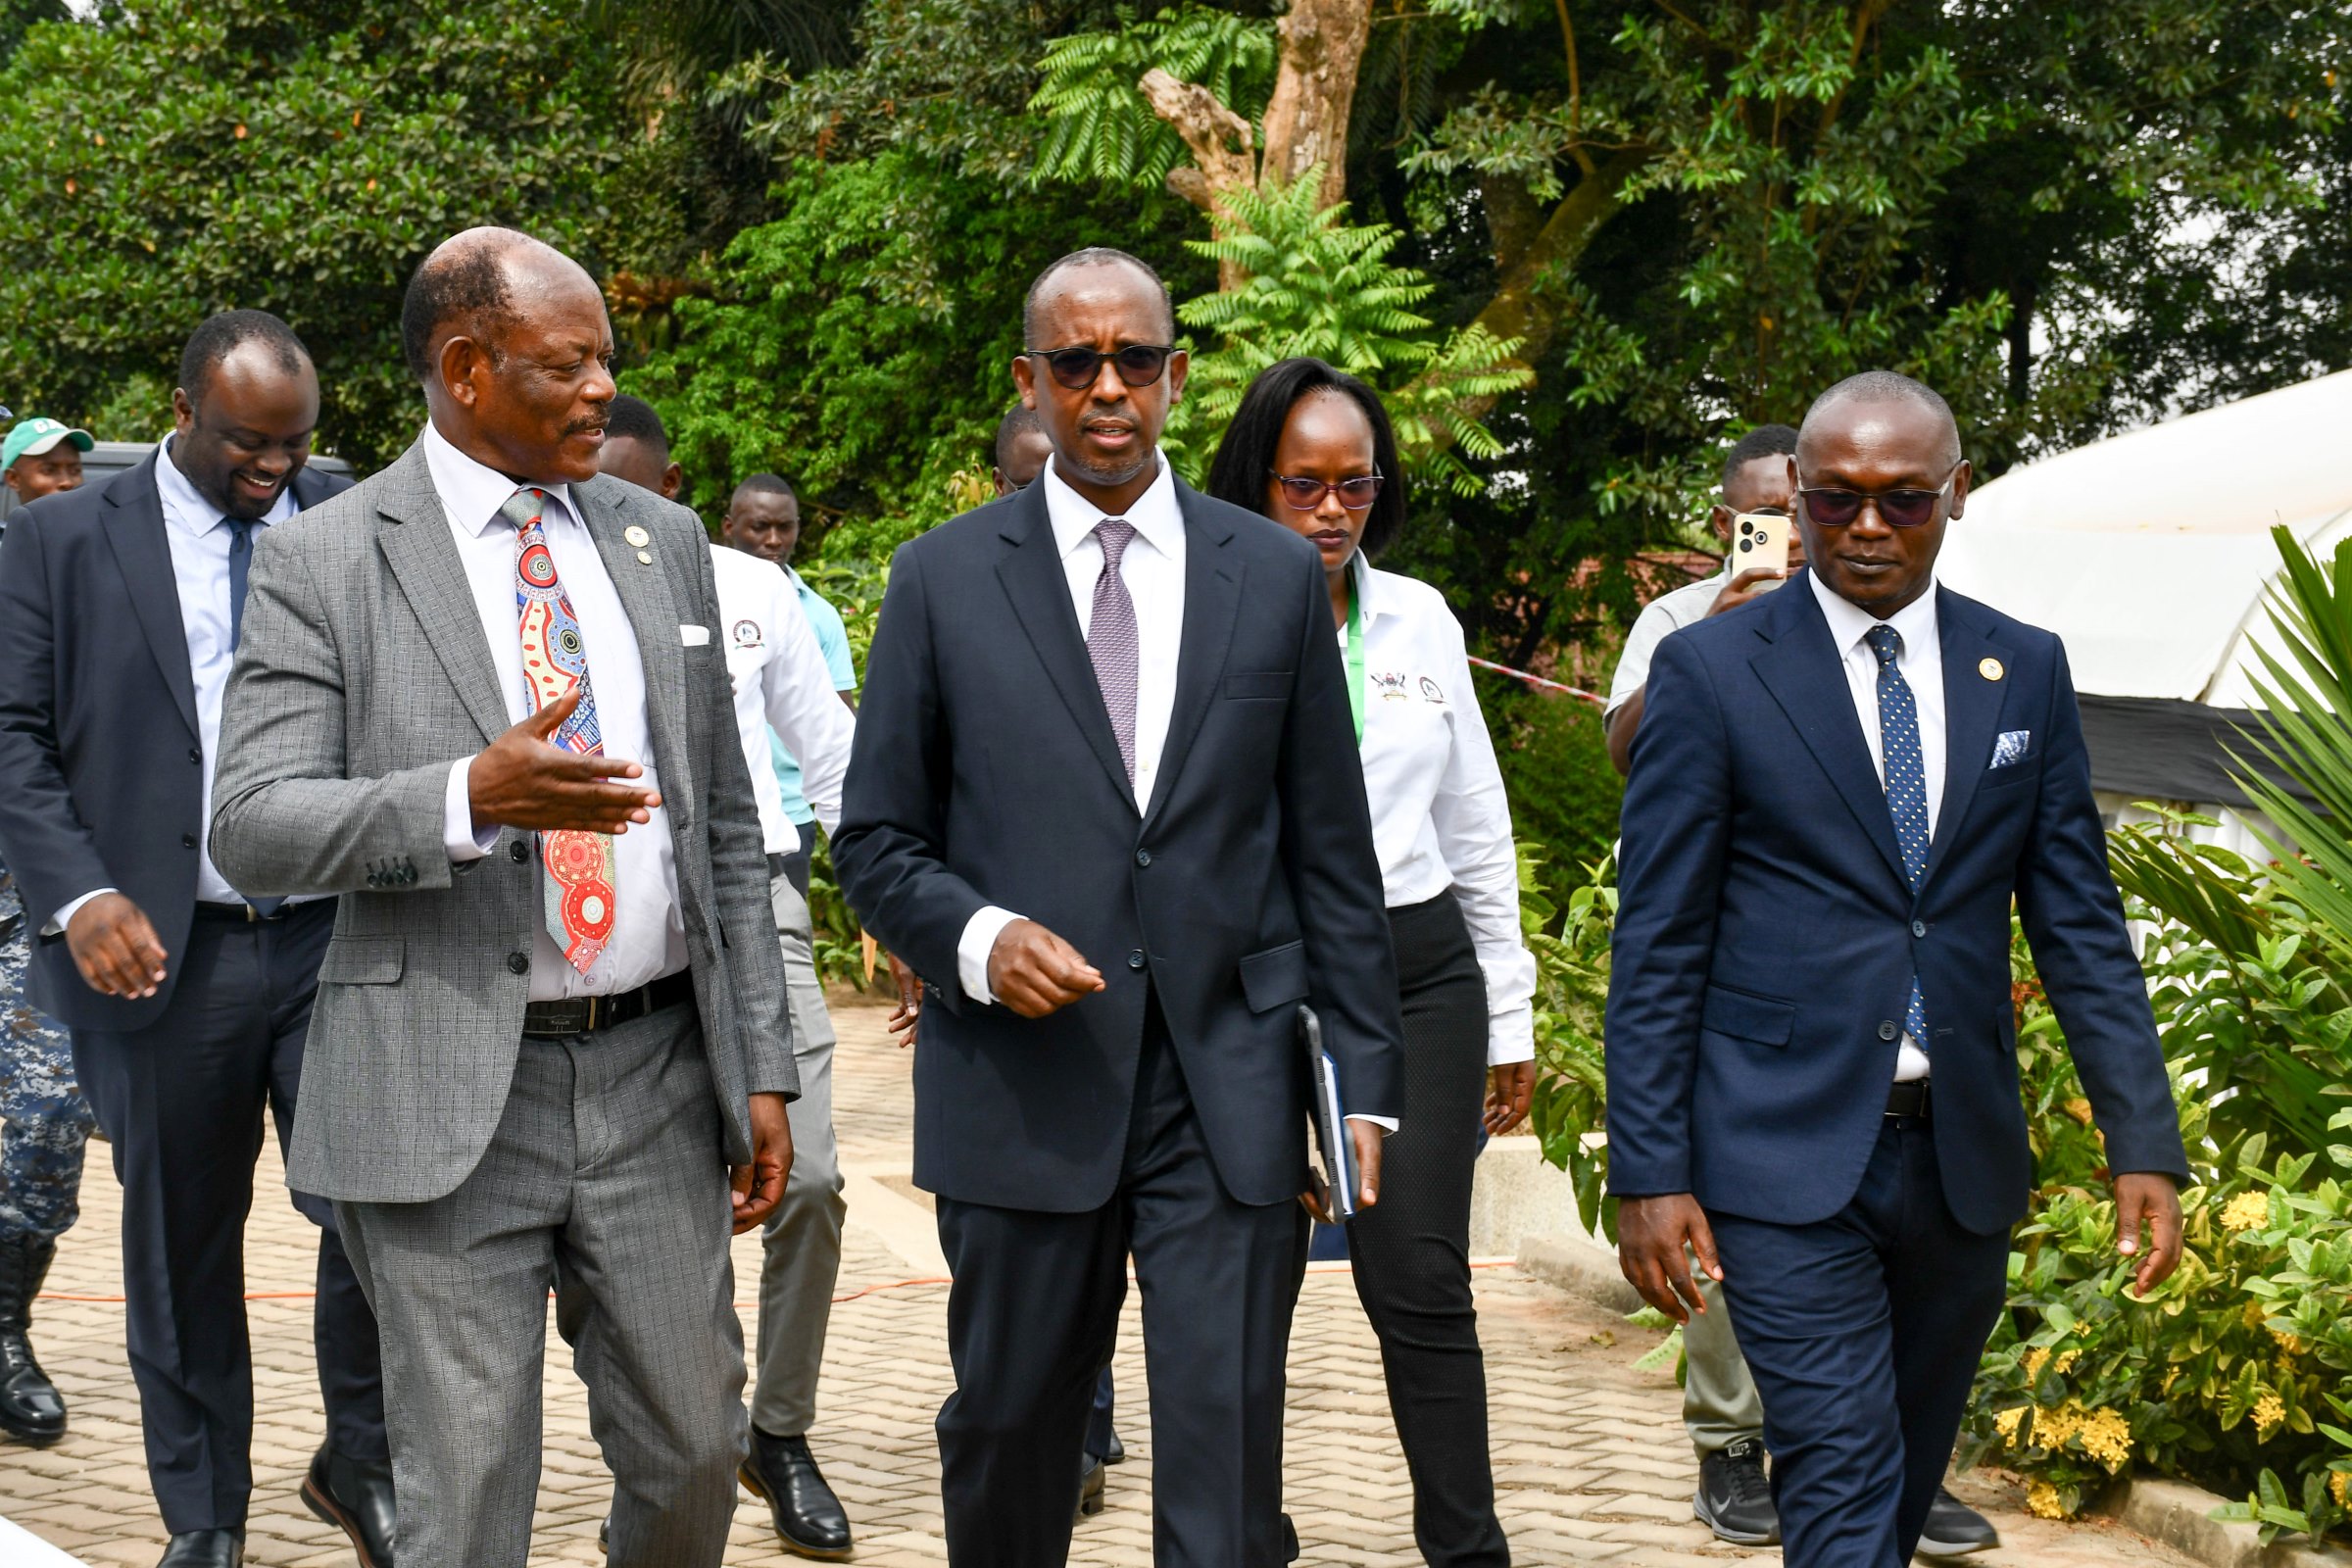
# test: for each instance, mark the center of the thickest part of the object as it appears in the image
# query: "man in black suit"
(1106, 796)
(120, 606)
(1839, 792)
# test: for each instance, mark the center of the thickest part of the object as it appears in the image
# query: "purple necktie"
(1110, 640)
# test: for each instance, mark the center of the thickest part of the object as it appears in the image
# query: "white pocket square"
(699, 636)
(2012, 747)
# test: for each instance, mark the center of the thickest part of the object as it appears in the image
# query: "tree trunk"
(1314, 90)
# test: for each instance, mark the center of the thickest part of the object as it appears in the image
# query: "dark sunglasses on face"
(1305, 495)
(1138, 363)
(1898, 509)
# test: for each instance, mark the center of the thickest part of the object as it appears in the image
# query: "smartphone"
(1760, 539)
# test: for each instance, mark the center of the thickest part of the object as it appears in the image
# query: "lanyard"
(1356, 663)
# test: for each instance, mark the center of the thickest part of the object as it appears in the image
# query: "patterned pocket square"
(2012, 747)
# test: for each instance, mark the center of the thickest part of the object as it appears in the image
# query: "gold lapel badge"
(1990, 669)
(636, 536)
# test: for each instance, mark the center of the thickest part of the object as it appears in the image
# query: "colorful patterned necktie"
(1111, 637)
(579, 886)
(1906, 786)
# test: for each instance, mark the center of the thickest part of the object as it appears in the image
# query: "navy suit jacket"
(1767, 934)
(986, 771)
(101, 762)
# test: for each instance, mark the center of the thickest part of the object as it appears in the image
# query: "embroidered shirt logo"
(747, 634)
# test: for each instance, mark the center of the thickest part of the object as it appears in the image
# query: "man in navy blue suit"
(120, 607)
(1839, 793)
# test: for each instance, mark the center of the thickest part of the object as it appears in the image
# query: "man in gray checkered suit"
(480, 696)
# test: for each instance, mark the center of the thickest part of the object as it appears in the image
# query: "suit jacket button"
(1887, 1030)
(517, 852)
(196, 755)
(187, 841)
(519, 962)
(1135, 960)
(1142, 857)
(1919, 928)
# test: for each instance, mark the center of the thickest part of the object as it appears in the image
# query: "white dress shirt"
(781, 680)
(1921, 663)
(1659, 619)
(198, 536)
(1152, 568)
(648, 933)
(1439, 820)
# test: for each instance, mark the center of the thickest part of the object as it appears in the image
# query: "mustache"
(584, 424)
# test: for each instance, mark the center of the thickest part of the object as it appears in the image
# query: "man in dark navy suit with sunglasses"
(1105, 797)
(1837, 794)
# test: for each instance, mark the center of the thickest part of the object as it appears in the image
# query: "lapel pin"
(644, 559)
(1990, 669)
(636, 536)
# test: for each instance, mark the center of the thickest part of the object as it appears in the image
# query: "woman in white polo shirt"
(1311, 447)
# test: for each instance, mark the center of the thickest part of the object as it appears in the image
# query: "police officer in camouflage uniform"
(46, 1122)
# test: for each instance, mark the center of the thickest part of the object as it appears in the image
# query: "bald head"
(1887, 390)
(476, 284)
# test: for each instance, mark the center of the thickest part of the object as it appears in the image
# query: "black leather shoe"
(204, 1548)
(808, 1519)
(1954, 1528)
(1118, 1451)
(1092, 1482)
(31, 1407)
(354, 1496)
(1734, 1499)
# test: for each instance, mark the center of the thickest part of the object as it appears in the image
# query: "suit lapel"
(136, 529)
(1040, 590)
(1801, 670)
(424, 560)
(1972, 712)
(1212, 597)
(604, 508)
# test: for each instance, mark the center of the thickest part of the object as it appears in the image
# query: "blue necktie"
(240, 565)
(1906, 785)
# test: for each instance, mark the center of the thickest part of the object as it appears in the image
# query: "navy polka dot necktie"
(1906, 785)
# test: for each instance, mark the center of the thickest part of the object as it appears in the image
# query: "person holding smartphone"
(1311, 447)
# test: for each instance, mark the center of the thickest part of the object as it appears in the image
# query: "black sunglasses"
(1305, 495)
(1140, 364)
(1898, 509)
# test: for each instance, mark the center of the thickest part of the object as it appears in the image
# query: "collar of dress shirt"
(186, 509)
(1156, 513)
(472, 492)
(1849, 622)
(1371, 596)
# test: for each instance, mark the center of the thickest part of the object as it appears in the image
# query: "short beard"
(1111, 478)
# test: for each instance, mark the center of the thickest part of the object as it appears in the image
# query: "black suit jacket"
(101, 762)
(986, 771)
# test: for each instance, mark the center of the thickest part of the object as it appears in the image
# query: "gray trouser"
(803, 1260)
(604, 1181)
(1719, 1398)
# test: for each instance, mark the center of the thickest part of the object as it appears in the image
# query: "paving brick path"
(1589, 1454)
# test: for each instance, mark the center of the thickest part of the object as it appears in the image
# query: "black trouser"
(180, 1102)
(794, 868)
(1412, 1248)
(1030, 1324)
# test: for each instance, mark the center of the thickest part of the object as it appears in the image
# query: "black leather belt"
(582, 1015)
(238, 913)
(1907, 1099)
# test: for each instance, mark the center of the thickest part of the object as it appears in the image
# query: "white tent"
(2149, 553)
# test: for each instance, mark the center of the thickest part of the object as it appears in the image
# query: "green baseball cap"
(39, 435)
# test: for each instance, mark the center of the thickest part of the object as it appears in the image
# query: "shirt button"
(1919, 928)
(517, 852)
(1135, 960)
(1142, 857)
(1887, 1030)
(187, 841)
(520, 963)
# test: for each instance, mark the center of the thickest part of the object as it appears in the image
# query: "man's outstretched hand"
(1034, 972)
(2148, 1199)
(523, 779)
(1651, 1235)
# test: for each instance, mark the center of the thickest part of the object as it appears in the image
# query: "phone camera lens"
(1746, 527)
(1747, 544)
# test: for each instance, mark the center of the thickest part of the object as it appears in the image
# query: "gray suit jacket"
(362, 675)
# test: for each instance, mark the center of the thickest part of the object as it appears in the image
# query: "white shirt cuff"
(457, 819)
(1386, 1124)
(1512, 1037)
(64, 917)
(980, 935)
